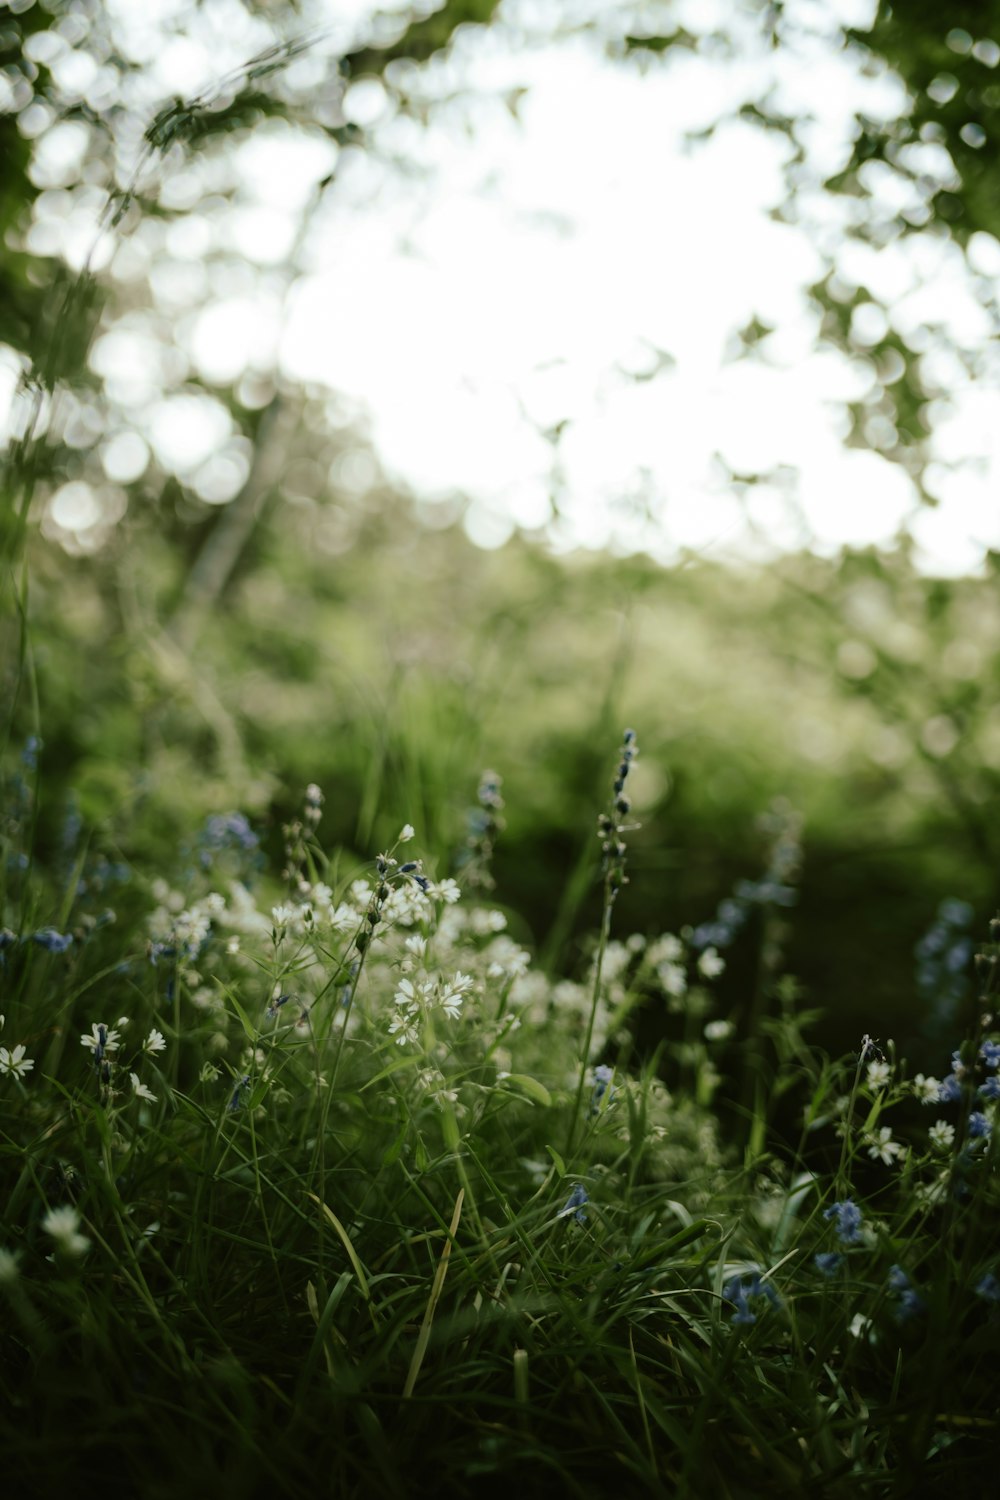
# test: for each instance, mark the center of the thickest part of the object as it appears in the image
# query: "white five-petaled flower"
(406, 834)
(63, 1225)
(941, 1135)
(882, 1147)
(927, 1090)
(711, 964)
(101, 1038)
(672, 977)
(454, 993)
(878, 1075)
(140, 1090)
(446, 891)
(15, 1062)
(155, 1042)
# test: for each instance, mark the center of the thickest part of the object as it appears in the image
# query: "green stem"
(594, 999)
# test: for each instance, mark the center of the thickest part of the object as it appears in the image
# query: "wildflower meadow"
(499, 958)
(315, 1180)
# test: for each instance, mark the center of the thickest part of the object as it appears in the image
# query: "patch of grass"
(312, 1179)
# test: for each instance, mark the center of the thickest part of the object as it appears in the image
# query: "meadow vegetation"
(412, 1080)
(315, 1175)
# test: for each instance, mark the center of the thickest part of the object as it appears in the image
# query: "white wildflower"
(101, 1039)
(718, 1031)
(711, 964)
(191, 929)
(454, 994)
(665, 949)
(878, 1075)
(507, 960)
(941, 1135)
(14, 1062)
(927, 1090)
(616, 961)
(445, 890)
(882, 1147)
(63, 1225)
(406, 833)
(484, 922)
(672, 977)
(140, 1090)
(155, 1042)
(931, 1194)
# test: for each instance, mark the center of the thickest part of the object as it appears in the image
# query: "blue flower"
(989, 1287)
(990, 1054)
(734, 1293)
(908, 1303)
(990, 1089)
(239, 1094)
(979, 1125)
(739, 1290)
(602, 1078)
(829, 1262)
(577, 1198)
(52, 941)
(951, 1090)
(847, 1216)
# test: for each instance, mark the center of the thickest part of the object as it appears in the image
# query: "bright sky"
(470, 285)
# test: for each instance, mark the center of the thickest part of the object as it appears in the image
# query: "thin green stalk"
(594, 1001)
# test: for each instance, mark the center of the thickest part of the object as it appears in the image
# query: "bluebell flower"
(760, 1288)
(602, 1078)
(733, 1292)
(239, 1094)
(979, 1125)
(577, 1198)
(847, 1217)
(740, 1289)
(908, 1303)
(989, 1287)
(157, 951)
(990, 1089)
(951, 1089)
(829, 1262)
(29, 755)
(990, 1054)
(52, 941)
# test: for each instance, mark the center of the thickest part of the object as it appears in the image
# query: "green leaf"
(557, 1160)
(529, 1087)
